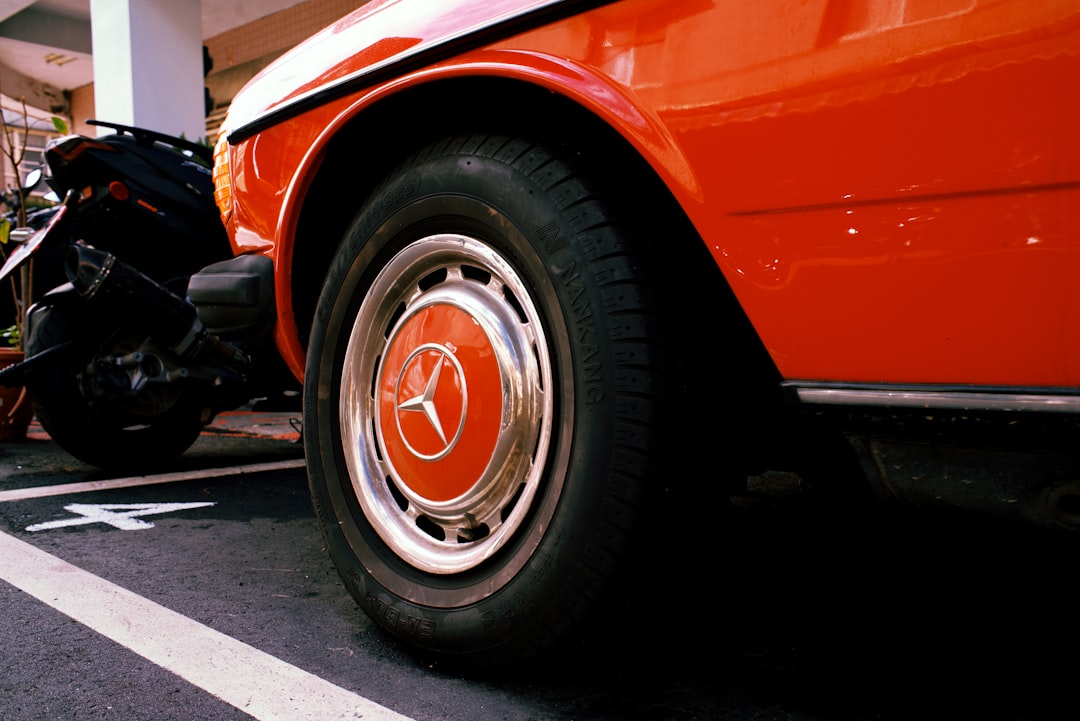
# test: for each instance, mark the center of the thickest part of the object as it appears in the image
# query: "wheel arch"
(366, 148)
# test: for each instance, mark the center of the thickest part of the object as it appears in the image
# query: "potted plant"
(16, 412)
(15, 408)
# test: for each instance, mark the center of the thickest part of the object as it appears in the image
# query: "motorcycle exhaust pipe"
(97, 273)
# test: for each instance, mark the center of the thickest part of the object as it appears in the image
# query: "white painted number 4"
(124, 516)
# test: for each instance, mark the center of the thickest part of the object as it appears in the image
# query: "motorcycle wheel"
(135, 437)
(483, 406)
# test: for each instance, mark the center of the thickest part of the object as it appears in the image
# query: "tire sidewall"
(502, 206)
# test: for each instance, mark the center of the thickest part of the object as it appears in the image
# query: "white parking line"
(22, 494)
(254, 682)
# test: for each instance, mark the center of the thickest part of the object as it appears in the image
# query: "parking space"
(205, 592)
(210, 584)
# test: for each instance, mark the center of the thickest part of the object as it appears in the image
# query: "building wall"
(238, 54)
(82, 109)
(275, 33)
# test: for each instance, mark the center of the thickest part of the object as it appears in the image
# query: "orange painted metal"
(892, 189)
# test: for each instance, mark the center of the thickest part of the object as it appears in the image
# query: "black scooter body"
(148, 198)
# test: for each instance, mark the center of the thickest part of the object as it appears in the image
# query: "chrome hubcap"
(445, 403)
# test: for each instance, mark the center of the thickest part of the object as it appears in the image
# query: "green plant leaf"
(11, 335)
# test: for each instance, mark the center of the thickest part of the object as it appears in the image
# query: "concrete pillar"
(148, 65)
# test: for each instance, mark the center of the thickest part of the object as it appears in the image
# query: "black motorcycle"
(151, 326)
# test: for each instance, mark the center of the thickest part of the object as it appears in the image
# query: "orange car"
(559, 275)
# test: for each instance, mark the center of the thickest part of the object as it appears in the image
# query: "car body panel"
(380, 34)
(891, 190)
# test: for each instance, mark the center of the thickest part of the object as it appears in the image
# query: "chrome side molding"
(950, 397)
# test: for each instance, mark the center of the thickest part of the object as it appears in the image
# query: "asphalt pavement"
(205, 593)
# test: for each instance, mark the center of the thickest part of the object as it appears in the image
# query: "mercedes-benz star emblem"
(425, 401)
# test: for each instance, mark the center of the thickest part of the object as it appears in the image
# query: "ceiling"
(48, 41)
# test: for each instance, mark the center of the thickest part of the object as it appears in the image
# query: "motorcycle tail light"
(222, 178)
(119, 191)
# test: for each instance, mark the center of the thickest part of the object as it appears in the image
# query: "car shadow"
(798, 606)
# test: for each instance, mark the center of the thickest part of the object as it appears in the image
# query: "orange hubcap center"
(440, 402)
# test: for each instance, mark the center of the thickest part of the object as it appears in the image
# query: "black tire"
(491, 543)
(140, 435)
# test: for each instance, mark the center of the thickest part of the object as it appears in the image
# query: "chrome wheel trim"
(457, 534)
